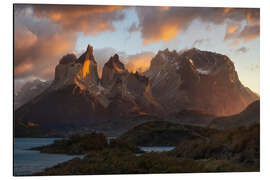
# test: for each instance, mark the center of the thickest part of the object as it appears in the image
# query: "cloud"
(157, 25)
(81, 18)
(253, 17)
(22, 68)
(247, 34)
(44, 33)
(24, 38)
(164, 8)
(135, 62)
(44, 54)
(103, 55)
(133, 28)
(231, 30)
(254, 67)
(242, 50)
(199, 42)
(139, 62)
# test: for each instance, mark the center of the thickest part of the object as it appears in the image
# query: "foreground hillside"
(234, 151)
(162, 133)
(197, 149)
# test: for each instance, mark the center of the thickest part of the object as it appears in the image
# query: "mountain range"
(28, 91)
(193, 82)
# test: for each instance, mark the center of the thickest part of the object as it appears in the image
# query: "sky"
(45, 33)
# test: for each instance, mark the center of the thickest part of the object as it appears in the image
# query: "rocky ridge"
(194, 80)
(198, 80)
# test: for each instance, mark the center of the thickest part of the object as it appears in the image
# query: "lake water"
(27, 162)
(156, 148)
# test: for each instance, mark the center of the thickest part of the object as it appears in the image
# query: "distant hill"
(162, 133)
(249, 116)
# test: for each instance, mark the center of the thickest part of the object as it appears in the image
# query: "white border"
(7, 79)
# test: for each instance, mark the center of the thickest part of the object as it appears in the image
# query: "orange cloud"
(249, 33)
(48, 71)
(232, 29)
(235, 42)
(24, 38)
(44, 33)
(253, 18)
(227, 10)
(139, 62)
(90, 19)
(163, 26)
(56, 45)
(164, 8)
(23, 68)
(167, 32)
(38, 46)
(40, 60)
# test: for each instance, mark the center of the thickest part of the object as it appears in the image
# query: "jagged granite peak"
(113, 70)
(65, 72)
(160, 60)
(88, 54)
(207, 62)
(198, 80)
(67, 59)
(115, 63)
(82, 71)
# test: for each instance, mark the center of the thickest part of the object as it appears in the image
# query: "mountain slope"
(29, 91)
(249, 116)
(198, 80)
(78, 98)
(188, 88)
(162, 133)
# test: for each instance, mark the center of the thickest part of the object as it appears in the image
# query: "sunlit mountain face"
(194, 80)
(44, 33)
(107, 63)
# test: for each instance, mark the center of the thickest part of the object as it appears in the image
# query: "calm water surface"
(27, 162)
(156, 148)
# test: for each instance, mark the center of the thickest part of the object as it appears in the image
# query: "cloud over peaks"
(44, 33)
(163, 25)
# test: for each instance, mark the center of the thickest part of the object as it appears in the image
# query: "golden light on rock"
(117, 68)
(191, 62)
(86, 67)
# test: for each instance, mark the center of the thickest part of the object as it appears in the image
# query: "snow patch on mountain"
(203, 71)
